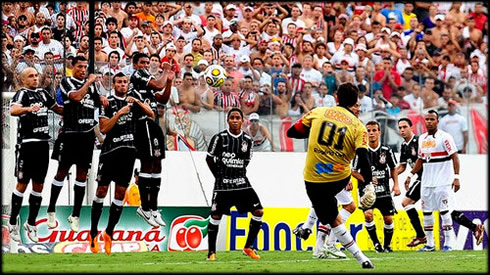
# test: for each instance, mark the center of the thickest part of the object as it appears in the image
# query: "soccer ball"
(215, 75)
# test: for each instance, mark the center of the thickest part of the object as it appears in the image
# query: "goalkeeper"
(335, 136)
(383, 164)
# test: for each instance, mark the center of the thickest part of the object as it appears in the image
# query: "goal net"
(9, 130)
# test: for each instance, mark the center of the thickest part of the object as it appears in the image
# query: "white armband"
(456, 176)
(410, 175)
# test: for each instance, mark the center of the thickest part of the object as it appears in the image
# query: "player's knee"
(388, 219)
(37, 187)
(216, 217)
(368, 216)
(351, 207)
(21, 187)
(258, 212)
(101, 191)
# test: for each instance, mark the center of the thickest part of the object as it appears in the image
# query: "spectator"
(408, 15)
(443, 101)
(429, 96)
(479, 17)
(145, 14)
(262, 139)
(132, 29)
(310, 74)
(475, 77)
(249, 99)
(258, 67)
(224, 98)
(365, 101)
(456, 125)
(387, 78)
(414, 99)
(393, 109)
(268, 101)
(205, 92)
(283, 92)
(407, 79)
(391, 12)
(188, 97)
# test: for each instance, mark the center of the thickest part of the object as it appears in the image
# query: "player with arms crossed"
(408, 154)
(327, 169)
(118, 121)
(229, 154)
(31, 104)
(438, 156)
(75, 144)
(325, 242)
(150, 141)
(383, 166)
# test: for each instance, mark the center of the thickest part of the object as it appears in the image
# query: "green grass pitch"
(234, 261)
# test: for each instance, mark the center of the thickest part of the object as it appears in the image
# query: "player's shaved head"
(29, 78)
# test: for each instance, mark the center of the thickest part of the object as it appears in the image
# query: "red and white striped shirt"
(226, 100)
(288, 39)
(297, 84)
(80, 17)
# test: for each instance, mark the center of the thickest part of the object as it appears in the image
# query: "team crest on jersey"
(382, 158)
(414, 153)
(157, 153)
(244, 146)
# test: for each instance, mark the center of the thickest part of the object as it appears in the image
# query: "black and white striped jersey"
(33, 126)
(139, 82)
(122, 135)
(78, 116)
(382, 162)
(231, 153)
(409, 154)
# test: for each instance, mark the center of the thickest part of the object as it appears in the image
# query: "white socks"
(348, 242)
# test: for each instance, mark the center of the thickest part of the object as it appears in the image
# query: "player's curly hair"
(347, 94)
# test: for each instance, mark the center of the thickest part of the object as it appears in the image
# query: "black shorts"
(322, 196)
(116, 166)
(413, 192)
(385, 206)
(74, 148)
(31, 161)
(245, 200)
(150, 141)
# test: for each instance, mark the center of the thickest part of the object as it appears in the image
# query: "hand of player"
(396, 190)
(166, 66)
(34, 108)
(407, 183)
(131, 99)
(456, 185)
(170, 75)
(104, 101)
(124, 110)
(349, 186)
(91, 78)
(375, 181)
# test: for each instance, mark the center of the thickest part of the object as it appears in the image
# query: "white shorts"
(437, 198)
(344, 197)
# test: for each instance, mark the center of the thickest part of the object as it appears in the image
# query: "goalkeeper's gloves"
(369, 197)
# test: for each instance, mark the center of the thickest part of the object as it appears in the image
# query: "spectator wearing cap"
(346, 54)
(245, 67)
(169, 57)
(19, 42)
(186, 29)
(407, 15)
(132, 29)
(28, 61)
(479, 17)
(387, 78)
(456, 125)
(229, 13)
(248, 14)
(232, 29)
(439, 30)
(364, 60)
(262, 139)
(145, 14)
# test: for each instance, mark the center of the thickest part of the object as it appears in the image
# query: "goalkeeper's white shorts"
(439, 198)
(344, 197)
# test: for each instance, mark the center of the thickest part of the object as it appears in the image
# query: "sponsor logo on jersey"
(428, 144)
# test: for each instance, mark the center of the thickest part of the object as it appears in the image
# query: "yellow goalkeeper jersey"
(335, 134)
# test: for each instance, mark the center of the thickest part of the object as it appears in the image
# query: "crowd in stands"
(283, 59)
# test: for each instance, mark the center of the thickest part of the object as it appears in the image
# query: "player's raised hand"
(91, 78)
(104, 101)
(349, 186)
(124, 110)
(456, 185)
(131, 99)
(375, 181)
